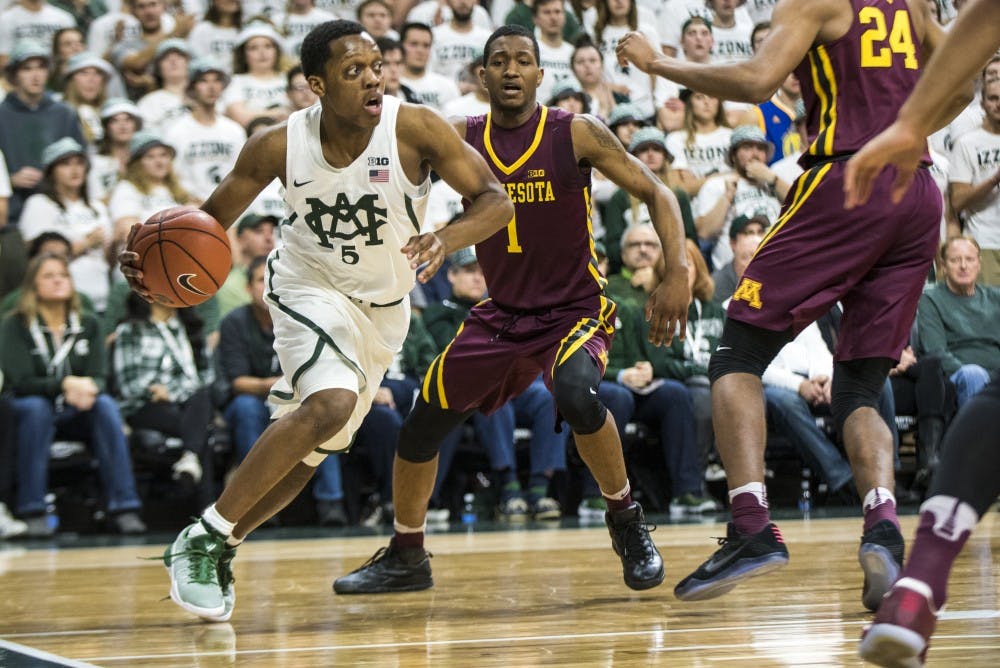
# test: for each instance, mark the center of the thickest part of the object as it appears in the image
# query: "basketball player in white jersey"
(355, 169)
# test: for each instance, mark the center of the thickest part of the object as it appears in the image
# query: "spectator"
(133, 51)
(434, 13)
(640, 251)
(957, 319)
(46, 243)
(30, 119)
(30, 19)
(66, 43)
(673, 22)
(248, 367)
(52, 357)
(392, 68)
(302, 17)
(214, 36)
(623, 210)
(788, 168)
(258, 87)
(376, 17)
(588, 67)
(697, 40)
(701, 147)
(567, 96)
(555, 54)
(430, 87)
(86, 87)
(457, 41)
(745, 234)
(150, 184)
(64, 206)
(731, 28)
(207, 142)
(267, 11)
(254, 238)
(119, 26)
(776, 118)
(523, 14)
(166, 103)
(300, 95)
(160, 372)
(750, 190)
(624, 121)
(975, 182)
(474, 103)
(120, 120)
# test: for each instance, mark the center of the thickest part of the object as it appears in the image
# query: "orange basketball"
(184, 255)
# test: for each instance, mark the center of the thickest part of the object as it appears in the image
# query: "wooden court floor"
(514, 598)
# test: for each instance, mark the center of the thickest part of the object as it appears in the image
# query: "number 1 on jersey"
(512, 244)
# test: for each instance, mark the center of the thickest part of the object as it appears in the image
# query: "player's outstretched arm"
(463, 169)
(795, 24)
(964, 50)
(261, 160)
(667, 306)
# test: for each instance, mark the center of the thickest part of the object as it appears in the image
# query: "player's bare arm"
(260, 162)
(427, 140)
(795, 26)
(957, 58)
(667, 306)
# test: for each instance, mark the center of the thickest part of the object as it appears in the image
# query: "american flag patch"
(378, 176)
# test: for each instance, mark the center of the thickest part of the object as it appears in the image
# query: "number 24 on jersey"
(876, 50)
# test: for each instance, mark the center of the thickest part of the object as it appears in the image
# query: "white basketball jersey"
(348, 224)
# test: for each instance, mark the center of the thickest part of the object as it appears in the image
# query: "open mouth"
(373, 105)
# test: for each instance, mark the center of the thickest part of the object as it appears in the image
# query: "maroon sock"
(932, 556)
(407, 540)
(614, 505)
(749, 516)
(883, 511)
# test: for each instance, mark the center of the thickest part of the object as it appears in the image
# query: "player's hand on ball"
(667, 308)
(129, 262)
(425, 249)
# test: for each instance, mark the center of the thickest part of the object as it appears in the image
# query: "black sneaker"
(740, 557)
(881, 559)
(630, 537)
(390, 569)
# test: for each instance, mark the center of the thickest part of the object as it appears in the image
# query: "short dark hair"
(292, 73)
(316, 45)
(763, 25)
(511, 31)
(386, 44)
(35, 246)
(538, 3)
(254, 263)
(414, 25)
(364, 4)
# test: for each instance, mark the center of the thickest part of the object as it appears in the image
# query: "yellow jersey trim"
(487, 142)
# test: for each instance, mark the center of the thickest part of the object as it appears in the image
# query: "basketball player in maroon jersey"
(967, 481)
(857, 60)
(546, 313)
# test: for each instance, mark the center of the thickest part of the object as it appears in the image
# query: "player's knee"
(423, 430)
(857, 384)
(325, 413)
(574, 386)
(745, 348)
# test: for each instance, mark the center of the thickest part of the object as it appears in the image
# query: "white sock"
(620, 494)
(876, 497)
(233, 541)
(755, 488)
(952, 517)
(402, 528)
(212, 518)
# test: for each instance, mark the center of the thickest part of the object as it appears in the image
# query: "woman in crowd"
(214, 37)
(63, 205)
(258, 85)
(700, 149)
(86, 87)
(52, 356)
(588, 66)
(166, 102)
(66, 43)
(120, 120)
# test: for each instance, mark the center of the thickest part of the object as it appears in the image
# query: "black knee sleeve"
(574, 385)
(857, 384)
(745, 348)
(423, 430)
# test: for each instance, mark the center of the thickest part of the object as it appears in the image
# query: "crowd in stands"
(114, 109)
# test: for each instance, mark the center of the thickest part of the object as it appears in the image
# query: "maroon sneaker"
(901, 633)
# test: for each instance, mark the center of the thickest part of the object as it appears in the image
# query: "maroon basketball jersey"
(853, 87)
(545, 256)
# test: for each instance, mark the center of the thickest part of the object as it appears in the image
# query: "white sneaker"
(9, 525)
(438, 515)
(187, 465)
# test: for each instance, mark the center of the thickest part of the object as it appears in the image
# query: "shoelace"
(637, 537)
(201, 565)
(226, 579)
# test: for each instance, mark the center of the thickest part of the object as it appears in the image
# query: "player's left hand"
(897, 145)
(635, 48)
(667, 307)
(425, 248)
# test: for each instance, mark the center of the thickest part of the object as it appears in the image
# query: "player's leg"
(753, 545)
(574, 385)
(965, 484)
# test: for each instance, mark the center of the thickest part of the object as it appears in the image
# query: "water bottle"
(468, 508)
(805, 497)
(51, 517)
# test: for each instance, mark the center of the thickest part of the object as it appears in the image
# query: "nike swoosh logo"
(184, 280)
(304, 183)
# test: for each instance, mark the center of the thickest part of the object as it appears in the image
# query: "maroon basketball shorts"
(873, 259)
(498, 353)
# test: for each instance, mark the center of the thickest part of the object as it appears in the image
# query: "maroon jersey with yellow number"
(854, 86)
(545, 257)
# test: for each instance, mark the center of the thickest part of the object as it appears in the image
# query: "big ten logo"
(378, 161)
(536, 173)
